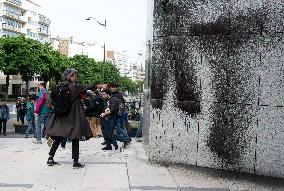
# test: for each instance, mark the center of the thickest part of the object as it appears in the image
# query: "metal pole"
(105, 43)
(103, 67)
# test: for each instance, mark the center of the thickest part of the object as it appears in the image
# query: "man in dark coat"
(121, 132)
(109, 119)
(74, 124)
(22, 110)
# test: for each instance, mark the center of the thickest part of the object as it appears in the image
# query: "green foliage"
(129, 85)
(27, 57)
(90, 71)
(85, 67)
(109, 72)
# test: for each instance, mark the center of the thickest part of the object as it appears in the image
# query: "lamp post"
(104, 25)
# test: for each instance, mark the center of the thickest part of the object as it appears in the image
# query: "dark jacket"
(74, 125)
(95, 106)
(119, 96)
(4, 112)
(21, 108)
(113, 105)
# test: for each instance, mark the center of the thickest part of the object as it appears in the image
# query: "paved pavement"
(23, 168)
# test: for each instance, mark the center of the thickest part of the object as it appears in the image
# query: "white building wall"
(22, 17)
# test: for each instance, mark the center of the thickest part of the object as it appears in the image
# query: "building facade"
(127, 66)
(214, 88)
(70, 48)
(22, 17)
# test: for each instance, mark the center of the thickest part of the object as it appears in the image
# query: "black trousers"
(3, 123)
(57, 142)
(18, 116)
(22, 118)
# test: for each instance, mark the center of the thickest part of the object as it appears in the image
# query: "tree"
(28, 56)
(85, 67)
(11, 48)
(129, 85)
(51, 64)
(109, 72)
(140, 85)
(90, 71)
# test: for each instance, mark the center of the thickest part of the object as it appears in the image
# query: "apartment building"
(22, 17)
(70, 47)
(127, 65)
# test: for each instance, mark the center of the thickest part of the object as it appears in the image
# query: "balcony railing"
(14, 16)
(16, 3)
(11, 28)
(44, 20)
(44, 32)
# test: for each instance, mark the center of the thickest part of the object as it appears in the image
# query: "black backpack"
(61, 99)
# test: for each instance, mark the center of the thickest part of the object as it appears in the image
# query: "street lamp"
(104, 25)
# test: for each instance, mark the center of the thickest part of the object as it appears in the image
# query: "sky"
(126, 22)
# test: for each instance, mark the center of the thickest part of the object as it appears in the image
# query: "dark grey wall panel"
(215, 91)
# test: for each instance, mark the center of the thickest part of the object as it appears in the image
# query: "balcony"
(44, 20)
(15, 3)
(12, 28)
(43, 32)
(13, 16)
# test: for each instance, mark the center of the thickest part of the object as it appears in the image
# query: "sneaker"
(4, 134)
(138, 139)
(107, 148)
(51, 162)
(26, 136)
(63, 147)
(77, 165)
(125, 144)
(50, 141)
(37, 142)
(103, 143)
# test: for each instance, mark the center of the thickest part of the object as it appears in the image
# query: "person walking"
(43, 113)
(30, 116)
(73, 123)
(4, 116)
(109, 119)
(121, 132)
(93, 111)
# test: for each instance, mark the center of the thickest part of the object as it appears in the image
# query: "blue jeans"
(108, 127)
(42, 119)
(121, 132)
(30, 127)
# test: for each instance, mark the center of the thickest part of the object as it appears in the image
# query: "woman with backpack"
(69, 118)
(4, 116)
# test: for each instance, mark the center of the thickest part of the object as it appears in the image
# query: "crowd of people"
(73, 112)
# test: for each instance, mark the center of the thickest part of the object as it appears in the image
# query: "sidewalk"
(23, 168)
